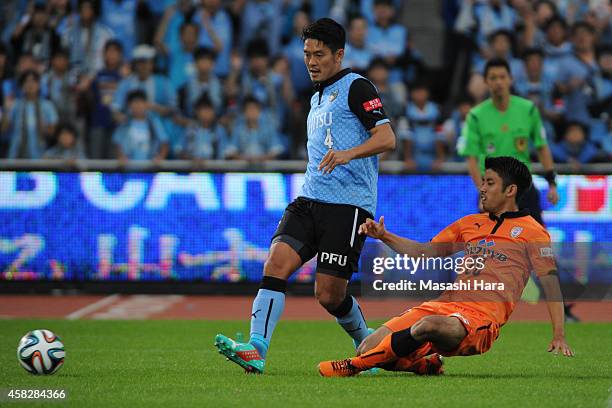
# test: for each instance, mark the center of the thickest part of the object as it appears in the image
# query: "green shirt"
(489, 132)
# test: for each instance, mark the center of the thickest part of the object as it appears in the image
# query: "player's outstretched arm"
(554, 302)
(381, 140)
(400, 245)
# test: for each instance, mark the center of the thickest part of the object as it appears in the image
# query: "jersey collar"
(319, 86)
(509, 214)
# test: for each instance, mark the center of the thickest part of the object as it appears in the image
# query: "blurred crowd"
(212, 79)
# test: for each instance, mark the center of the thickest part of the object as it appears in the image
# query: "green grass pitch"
(173, 363)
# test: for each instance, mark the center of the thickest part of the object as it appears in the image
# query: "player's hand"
(373, 229)
(552, 195)
(558, 345)
(333, 158)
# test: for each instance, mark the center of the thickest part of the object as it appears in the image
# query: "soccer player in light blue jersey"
(347, 129)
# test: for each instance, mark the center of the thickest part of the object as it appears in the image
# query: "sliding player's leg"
(409, 336)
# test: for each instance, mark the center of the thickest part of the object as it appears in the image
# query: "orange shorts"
(482, 331)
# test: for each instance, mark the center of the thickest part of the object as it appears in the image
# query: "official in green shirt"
(506, 125)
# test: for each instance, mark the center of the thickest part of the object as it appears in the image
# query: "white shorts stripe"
(354, 227)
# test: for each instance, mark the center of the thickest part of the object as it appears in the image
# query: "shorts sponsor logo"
(516, 231)
(373, 104)
(331, 258)
(546, 252)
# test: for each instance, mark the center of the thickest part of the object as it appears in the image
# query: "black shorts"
(329, 230)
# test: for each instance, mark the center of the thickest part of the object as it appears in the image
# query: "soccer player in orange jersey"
(461, 323)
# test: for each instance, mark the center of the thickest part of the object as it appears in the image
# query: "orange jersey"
(509, 248)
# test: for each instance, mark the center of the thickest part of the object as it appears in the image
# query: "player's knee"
(277, 268)
(330, 300)
(427, 328)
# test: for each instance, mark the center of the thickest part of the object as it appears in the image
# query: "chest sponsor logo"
(516, 231)
(319, 120)
(491, 148)
(484, 248)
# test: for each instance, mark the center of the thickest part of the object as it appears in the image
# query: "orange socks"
(379, 355)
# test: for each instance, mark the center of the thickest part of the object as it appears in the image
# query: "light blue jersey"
(342, 112)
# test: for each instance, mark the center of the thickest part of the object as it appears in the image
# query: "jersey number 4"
(328, 139)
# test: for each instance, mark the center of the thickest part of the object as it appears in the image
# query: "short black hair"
(529, 52)
(328, 31)
(27, 74)
(203, 102)
(188, 23)
(137, 94)
(65, 127)
(113, 43)
(204, 52)
(383, 3)
(556, 19)
(250, 99)
(511, 171)
(378, 62)
(60, 52)
(257, 47)
(505, 33)
(583, 24)
(496, 62)
(576, 123)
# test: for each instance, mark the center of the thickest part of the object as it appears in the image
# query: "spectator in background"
(10, 87)
(541, 90)
(453, 126)
(34, 35)
(167, 36)
(206, 138)
(101, 95)
(30, 121)
(423, 142)
(182, 65)
(203, 82)
(160, 94)
(555, 46)
(58, 86)
(254, 137)
(142, 136)
(59, 15)
(85, 38)
(392, 97)
(294, 52)
(260, 19)
(356, 54)
(601, 106)
(215, 33)
(386, 38)
(67, 145)
(500, 46)
(576, 73)
(260, 82)
(575, 148)
(4, 75)
(491, 16)
(120, 17)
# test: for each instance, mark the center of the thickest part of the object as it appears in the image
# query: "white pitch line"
(77, 314)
